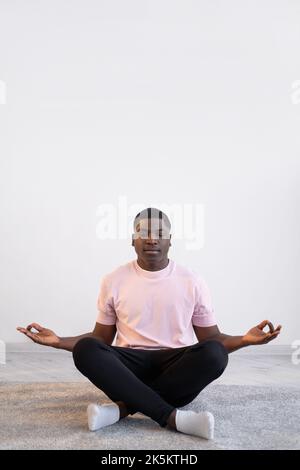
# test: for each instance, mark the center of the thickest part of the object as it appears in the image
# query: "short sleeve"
(203, 314)
(105, 304)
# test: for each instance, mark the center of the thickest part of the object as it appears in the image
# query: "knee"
(216, 355)
(83, 348)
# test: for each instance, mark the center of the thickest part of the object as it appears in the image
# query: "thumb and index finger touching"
(272, 330)
(27, 331)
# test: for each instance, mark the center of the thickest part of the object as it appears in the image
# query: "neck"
(154, 265)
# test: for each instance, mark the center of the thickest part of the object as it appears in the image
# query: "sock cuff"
(113, 410)
(181, 418)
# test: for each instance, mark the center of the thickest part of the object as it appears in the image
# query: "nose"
(151, 239)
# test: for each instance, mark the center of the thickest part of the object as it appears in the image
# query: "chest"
(154, 300)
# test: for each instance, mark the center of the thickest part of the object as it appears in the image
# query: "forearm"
(231, 343)
(68, 343)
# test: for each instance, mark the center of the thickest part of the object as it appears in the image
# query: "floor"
(244, 368)
(42, 394)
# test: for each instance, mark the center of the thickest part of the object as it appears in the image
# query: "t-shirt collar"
(162, 273)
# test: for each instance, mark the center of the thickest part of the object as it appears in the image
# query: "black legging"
(152, 382)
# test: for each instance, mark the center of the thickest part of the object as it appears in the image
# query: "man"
(168, 346)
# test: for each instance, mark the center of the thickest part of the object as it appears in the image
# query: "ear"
(132, 240)
(170, 244)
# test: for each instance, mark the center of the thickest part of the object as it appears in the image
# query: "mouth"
(151, 251)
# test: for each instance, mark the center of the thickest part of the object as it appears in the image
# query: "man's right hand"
(43, 336)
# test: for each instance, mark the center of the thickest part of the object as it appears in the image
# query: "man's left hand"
(257, 336)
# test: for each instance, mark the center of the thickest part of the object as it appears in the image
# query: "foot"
(100, 416)
(199, 424)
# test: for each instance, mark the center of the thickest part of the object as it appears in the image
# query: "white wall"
(158, 101)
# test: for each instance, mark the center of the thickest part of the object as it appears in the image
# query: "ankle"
(171, 421)
(123, 409)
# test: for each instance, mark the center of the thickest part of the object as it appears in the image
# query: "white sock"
(102, 415)
(197, 424)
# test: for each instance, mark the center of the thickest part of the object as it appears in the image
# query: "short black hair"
(152, 213)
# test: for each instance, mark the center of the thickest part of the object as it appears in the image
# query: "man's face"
(151, 240)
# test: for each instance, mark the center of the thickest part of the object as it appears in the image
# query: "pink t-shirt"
(154, 309)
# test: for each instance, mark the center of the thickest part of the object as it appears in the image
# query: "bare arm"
(104, 332)
(47, 337)
(254, 336)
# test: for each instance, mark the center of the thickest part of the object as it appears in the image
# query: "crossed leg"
(122, 376)
(184, 373)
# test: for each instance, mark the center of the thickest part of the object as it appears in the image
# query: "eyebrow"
(161, 227)
(145, 230)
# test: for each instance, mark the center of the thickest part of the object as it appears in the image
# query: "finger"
(33, 336)
(27, 333)
(21, 329)
(276, 333)
(36, 326)
(273, 336)
(269, 335)
(264, 323)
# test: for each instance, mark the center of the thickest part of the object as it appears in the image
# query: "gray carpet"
(53, 416)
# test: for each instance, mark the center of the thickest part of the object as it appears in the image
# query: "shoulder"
(117, 273)
(193, 274)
